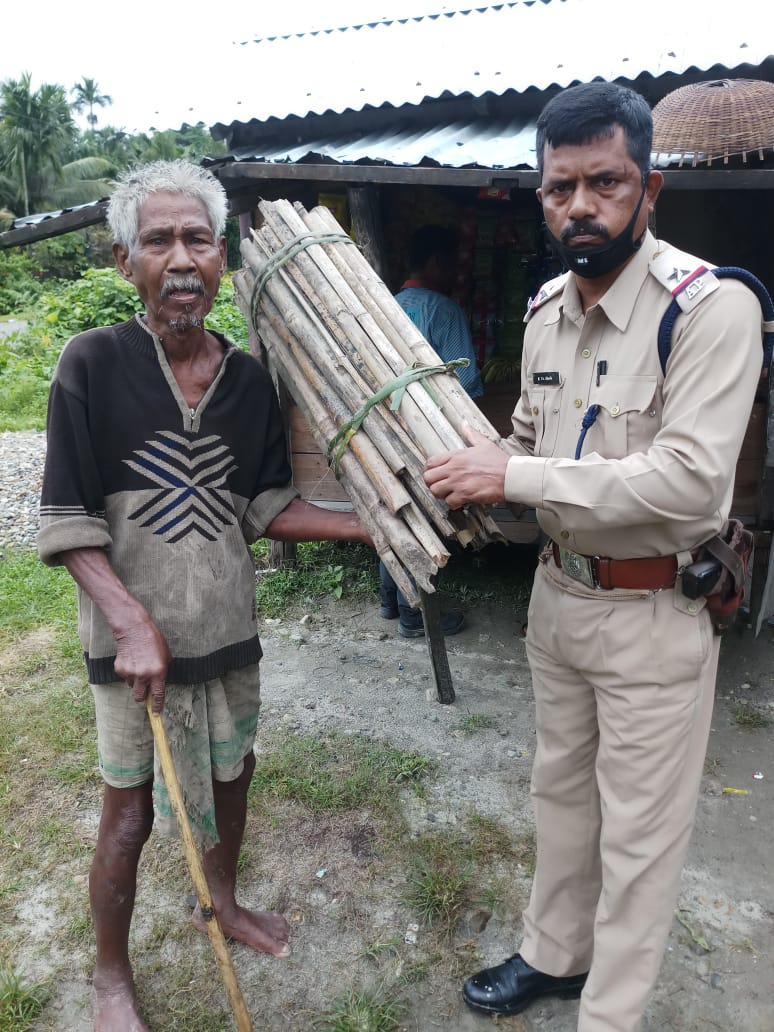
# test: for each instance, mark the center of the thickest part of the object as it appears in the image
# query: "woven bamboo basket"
(713, 121)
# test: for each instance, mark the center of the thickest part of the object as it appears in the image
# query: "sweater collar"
(143, 339)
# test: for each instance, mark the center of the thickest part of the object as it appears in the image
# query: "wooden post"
(436, 646)
(282, 553)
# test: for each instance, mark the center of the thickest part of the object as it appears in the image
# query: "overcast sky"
(146, 53)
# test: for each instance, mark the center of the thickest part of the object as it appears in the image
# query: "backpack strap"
(690, 283)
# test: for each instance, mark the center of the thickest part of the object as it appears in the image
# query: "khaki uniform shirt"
(657, 468)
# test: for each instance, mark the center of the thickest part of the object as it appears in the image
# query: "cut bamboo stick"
(391, 535)
(338, 340)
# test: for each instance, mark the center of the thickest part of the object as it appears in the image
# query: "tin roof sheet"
(489, 50)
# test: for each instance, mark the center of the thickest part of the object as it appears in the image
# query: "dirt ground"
(343, 667)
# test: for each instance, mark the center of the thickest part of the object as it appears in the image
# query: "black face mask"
(590, 262)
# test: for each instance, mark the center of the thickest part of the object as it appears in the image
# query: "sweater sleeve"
(273, 488)
(72, 506)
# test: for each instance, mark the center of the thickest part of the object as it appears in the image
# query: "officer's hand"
(468, 475)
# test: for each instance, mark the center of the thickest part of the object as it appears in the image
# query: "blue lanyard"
(589, 417)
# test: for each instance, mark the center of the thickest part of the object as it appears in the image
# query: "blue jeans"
(390, 595)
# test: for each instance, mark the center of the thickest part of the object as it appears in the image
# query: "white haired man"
(166, 459)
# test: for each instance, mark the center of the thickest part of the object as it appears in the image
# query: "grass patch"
(750, 718)
(36, 596)
(323, 569)
(473, 722)
(362, 1011)
(20, 1001)
(439, 883)
(489, 840)
(333, 772)
(375, 951)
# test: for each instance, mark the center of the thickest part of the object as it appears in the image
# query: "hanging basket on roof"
(713, 121)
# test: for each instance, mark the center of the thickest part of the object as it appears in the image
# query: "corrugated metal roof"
(283, 21)
(491, 143)
(501, 143)
(36, 219)
(494, 50)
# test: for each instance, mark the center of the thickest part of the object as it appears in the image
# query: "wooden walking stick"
(241, 1015)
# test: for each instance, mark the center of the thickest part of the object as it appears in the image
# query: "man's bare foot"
(264, 930)
(114, 1006)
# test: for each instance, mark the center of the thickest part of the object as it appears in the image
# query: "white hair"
(177, 177)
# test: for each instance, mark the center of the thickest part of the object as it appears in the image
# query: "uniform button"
(585, 353)
(535, 410)
(692, 607)
(615, 410)
(579, 402)
(564, 534)
(652, 412)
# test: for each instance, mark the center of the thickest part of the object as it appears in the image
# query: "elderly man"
(630, 471)
(166, 459)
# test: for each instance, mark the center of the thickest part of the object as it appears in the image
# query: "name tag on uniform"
(545, 379)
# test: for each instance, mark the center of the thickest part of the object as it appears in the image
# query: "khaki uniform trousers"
(624, 687)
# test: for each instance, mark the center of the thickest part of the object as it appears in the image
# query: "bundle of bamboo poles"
(337, 338)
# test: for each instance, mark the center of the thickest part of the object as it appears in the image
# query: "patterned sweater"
(174, 495)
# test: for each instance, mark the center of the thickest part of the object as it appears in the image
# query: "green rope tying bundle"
(287, 253)
(397, 386)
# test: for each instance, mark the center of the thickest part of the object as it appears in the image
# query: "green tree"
(80, 181)
(86, 95)
(36, 129)
(108, 142)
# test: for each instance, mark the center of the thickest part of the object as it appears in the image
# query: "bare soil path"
(342, 667)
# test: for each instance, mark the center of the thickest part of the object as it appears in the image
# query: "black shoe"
(388, 611)
(412, 625)
(513, 985)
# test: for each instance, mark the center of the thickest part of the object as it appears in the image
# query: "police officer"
(630, 471)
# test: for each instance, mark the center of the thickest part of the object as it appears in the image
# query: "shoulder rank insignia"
(546, 292)
(687, 278)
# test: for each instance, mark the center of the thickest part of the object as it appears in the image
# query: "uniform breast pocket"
(545, 403)
(632, 409)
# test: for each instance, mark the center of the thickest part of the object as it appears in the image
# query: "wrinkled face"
(589, 191)
(176, 263)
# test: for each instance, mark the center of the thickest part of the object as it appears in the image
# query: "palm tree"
(81, 181)
(36, 128)
(87, 95)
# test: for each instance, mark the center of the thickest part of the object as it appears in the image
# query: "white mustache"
(187, 284)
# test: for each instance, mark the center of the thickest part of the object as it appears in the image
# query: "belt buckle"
(577, 566)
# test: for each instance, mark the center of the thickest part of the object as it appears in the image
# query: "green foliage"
(20, 1001)
(62, 257)
(98, 298)
(20, 282)
(226, 317)
(36, 129)
(324, 569)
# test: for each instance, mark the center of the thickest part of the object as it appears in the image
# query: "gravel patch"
(22, 455)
